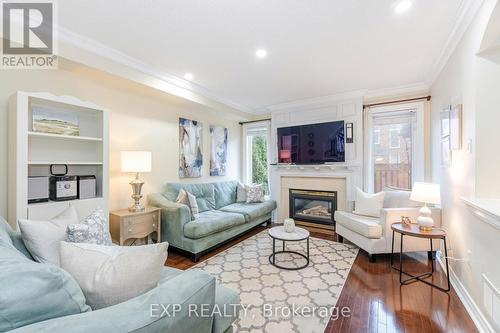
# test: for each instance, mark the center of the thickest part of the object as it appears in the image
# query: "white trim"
(467, 12)
(485, 209)
(482, 324)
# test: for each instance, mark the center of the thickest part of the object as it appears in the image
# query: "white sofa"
(374, 235)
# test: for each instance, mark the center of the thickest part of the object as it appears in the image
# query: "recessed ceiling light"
(188, 76)
(402, 6)
(261, 53)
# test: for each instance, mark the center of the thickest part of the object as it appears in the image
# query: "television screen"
(312, 144)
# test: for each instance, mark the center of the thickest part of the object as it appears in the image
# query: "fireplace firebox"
(313, 207)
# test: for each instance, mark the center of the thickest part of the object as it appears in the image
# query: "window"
(376, 137)
(395, 151)
(394, 135)
(256, 143)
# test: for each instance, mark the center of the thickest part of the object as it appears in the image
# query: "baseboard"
(477, 316)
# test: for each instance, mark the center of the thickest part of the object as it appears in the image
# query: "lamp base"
(425, 221)
(136, 195)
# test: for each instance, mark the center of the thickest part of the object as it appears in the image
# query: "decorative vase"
(289, 225)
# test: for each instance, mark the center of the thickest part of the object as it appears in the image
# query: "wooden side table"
(126, 225)
(413, 230)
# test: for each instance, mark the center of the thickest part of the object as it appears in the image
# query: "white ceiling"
(315, 47)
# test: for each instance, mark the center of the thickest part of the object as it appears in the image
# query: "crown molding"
(467, 12)
(398, 91)
(314, 102)
(363, 95)
(89, 52)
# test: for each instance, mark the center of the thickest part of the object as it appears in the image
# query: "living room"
(250, 166)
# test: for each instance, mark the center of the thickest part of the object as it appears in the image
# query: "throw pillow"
(241, 193)
(368, 204)
(255, 193)
(93, 229)
(189, 200)
(110, 275)
(42, 237)
(31, 292)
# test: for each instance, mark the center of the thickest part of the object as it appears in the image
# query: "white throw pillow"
(241, 193)
(189, 200)
(254, 193)
(42, 238)
(110, 275)
(368, 204)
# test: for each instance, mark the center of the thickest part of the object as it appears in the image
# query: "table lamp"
(428, 193)
(136, 161)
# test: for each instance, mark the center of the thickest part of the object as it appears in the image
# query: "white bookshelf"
(31, 153)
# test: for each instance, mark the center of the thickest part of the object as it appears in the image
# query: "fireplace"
(314, 208)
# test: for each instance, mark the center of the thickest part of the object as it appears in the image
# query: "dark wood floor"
(377, 301)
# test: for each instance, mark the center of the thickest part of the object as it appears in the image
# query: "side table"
(126, 225)
(413, 230)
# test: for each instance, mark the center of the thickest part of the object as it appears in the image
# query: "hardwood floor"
(376, 300)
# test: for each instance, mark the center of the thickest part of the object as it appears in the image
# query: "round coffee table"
(279, 233)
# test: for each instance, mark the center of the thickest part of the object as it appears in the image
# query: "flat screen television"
(312, 144)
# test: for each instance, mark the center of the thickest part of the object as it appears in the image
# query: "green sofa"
(37, 297)
(220, 217)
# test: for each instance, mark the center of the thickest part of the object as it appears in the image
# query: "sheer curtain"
(394, 146)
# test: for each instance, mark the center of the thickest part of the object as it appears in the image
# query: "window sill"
(487, 210)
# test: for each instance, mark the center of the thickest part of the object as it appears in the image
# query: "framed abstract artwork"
(218, 154)
(190, 148)
(445, 137)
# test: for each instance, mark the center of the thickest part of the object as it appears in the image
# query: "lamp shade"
(136, 161)
(426, 192)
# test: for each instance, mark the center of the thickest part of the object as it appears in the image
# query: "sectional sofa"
(37, 297)
(220, 217)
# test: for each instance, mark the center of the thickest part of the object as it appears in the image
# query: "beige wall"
(474, 82)
(140, 119)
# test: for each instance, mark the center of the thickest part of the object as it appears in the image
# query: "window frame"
(248, 131)
(418, 147)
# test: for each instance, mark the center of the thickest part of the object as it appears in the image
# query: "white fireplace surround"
(345, 176)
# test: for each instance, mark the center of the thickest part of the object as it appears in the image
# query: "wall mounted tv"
(312, 144)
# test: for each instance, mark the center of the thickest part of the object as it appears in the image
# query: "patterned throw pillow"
(255, 193)
(189, 200)
(92, 230)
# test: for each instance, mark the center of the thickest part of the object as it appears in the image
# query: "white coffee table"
(279, 233)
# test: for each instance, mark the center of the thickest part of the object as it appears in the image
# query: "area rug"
(278, 300)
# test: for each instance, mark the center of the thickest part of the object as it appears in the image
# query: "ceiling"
(315, 47)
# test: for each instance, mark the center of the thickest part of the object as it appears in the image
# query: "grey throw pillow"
(93, 230)
(189, 200)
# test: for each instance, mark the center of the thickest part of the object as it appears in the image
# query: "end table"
(126, 225)
(413, 230)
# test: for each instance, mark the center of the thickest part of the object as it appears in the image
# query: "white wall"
(475, 83)
(140, 119)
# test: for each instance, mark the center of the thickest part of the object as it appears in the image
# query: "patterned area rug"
(277, 300)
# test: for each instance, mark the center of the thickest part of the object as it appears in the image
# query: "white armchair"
(374, 235)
